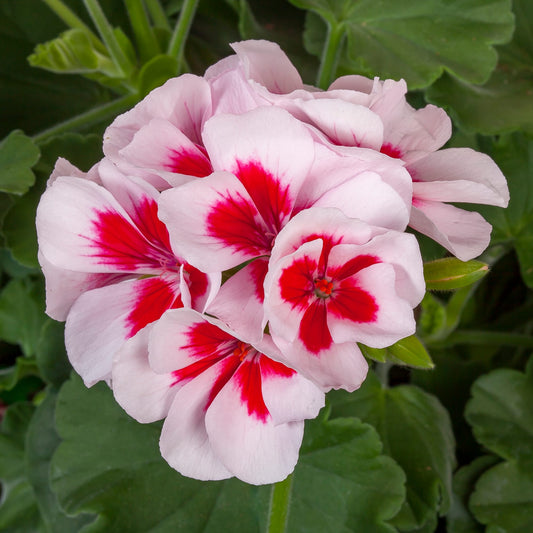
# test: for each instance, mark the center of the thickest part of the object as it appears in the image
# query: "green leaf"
(432, 320)
(459, 519)
(18, 509)
(410, 351)
(41, 442)
(156, 72)
(17, 155)
(22, 314)
(504, 498)
(342, 482)
(413, 39)
(503, 104)
(416, 432)
(72, 52)
(450, 273)
(514, 225)
(51, 356)
(23, 367)
(500, 413)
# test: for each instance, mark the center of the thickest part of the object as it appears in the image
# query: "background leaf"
(18, 154)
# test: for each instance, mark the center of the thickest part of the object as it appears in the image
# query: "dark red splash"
(234, 221)
(197, 282)
(271, 198)
(189, 162)
(269, 368)
(228, 368)
(206, 339)
(258, 270)
(314, 332)
(391, 150)
(350, 302)
(146, 219)
(153, 297)
(353, 266)
(248, 378)
(297, 282)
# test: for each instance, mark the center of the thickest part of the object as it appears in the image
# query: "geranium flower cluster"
(241, 235)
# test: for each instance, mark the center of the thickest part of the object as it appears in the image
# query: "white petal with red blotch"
(243, 435)
(184, 442)
(288, 396)
(459, 175)
(63, 287)
(63, 167)
(341, 366)
(198, 288)
(143, 394)
(92, 234)
(269, 151)
(161, 146)
(101, 320)
(464, 233)
(239, 303)
(289, 289)
(184, 101)
(267, 64)
(213, 223)
(344, 123)
(365, 307)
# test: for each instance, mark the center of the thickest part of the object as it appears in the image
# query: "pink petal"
(239, 303)
(184, 442)
(101, 320)
(143, 394)
(213, 223)
(459, 175)
(198, 288)
(243, 435)
(465, 234)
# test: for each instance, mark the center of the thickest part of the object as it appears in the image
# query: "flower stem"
(121, 61)
(278, 513)
(158, 14)
(330, 54)
(480, 338)
(181, 31)
(144, 34)
(89, 118)
(72, 20)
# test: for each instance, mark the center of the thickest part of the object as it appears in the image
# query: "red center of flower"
(241, 351)
(323, 288)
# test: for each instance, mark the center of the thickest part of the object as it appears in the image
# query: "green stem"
(89, 118)
(278, 513)
(382, 372)
(330, 54)
(73, 21)
(181, 31)
(105, 30)
(158, 14)
(144, 34)
(480, 338)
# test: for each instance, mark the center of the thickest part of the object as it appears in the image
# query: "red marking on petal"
(154, 296)
(270, 368)
(353, 266)
(197, 282)
(117, 242)
(391, 150)
(328, 242)
(296, 282)
(234, 222)
(190, 162)
(269, 195)
(146, 219)
(353, 303)
(314, 332)
(258, 270)
(228, 368)
(248, 378)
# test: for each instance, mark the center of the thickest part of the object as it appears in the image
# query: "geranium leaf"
(18, 154)
(416, 432)
(504, 498)
(51, 356)
(411, 39)
(500, 413)
(410, 351)
(111, 454)
(502, 104)
(514, 225)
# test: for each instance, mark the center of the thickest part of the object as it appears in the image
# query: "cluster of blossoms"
(241, 235)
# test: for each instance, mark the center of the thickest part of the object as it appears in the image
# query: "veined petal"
(459, 175)
(143, 394)
(464, 233)
(213, 223)
(101, 320)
